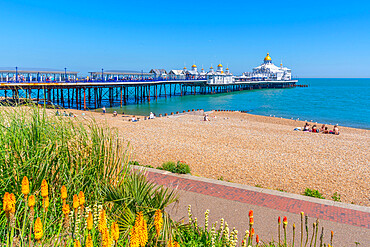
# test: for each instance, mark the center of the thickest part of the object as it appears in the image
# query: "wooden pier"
(92, 95)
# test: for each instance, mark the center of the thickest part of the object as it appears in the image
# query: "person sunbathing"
(306, 127)
(326, 131)
(322, 128)
(336, 130)
(314, 128)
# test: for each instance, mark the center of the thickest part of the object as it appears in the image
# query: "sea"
(345, 102)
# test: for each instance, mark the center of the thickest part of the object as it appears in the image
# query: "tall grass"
(37, 144)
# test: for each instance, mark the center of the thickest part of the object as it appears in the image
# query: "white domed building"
(269, 72)
(219, 76)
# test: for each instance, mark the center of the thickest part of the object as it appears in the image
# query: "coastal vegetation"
(178, 167)
(66, 183)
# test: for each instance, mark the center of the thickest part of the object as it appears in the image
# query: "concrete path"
(350, 223)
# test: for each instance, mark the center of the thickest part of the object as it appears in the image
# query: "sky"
(313, 38)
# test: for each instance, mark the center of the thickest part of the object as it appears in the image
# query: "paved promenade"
(350, 223)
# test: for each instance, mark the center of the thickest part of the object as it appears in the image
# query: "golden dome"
(194, 66)
(220, 65)
(184, 67)
(268, 58)
(211, 67)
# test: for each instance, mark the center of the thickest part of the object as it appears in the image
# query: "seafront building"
(268, 71)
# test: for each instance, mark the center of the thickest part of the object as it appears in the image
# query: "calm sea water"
(333, 101)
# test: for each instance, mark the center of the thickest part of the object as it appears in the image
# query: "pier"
(92, 95)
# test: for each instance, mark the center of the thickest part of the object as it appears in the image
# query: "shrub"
(336, 197)
(178, 167)
(313, 193)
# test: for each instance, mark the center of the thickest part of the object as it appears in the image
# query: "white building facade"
(267, 71)
(219, 76)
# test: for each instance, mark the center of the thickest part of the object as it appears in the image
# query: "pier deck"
(96, 94)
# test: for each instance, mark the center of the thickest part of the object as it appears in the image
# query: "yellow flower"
(173, 244)
(11, 203)
(64, 194)
(140, 229)
(25, 186)
(45, 202)
(105, 238)
(158, 221)
(90, 221)
(76, 203)
(115, 231)
(44, 188)
(6, 202)
(81, 197)
(38, 229)
(102, 221)
(31, 201)
(77, 243)
(65, 209)
(89, 241)
(134, 238)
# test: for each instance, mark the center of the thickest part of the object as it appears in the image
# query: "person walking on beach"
(104, 110)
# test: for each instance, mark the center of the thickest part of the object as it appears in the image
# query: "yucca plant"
(136, 194)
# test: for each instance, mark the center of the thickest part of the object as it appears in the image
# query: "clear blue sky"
(314, 38)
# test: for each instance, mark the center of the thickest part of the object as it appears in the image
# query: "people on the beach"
(306, 127)
(104, 110)
(314, 129)
(326, 131)
(322, 128)
(206, 117)
(151, 115)
(336, 130)
(133, 119)
(115, 114)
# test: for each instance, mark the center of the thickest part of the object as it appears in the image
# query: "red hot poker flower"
(279, 220)
(250, 213)
(252, 231)
(257, 239)
(251, 221)
(285, 220)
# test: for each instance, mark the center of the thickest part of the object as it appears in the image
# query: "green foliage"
(134, 194)
(336, 197)
(178, 167)
(313, 193)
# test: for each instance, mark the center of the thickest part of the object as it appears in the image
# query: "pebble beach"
(253, 150)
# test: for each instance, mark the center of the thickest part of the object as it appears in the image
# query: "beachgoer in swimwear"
(322, 128)
(115, 114)
(314, 129)
(336, 130)
(306, 127)
(104, 110)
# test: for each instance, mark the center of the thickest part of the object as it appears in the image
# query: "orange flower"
(81, 197)
(279, 220)
(76, 202)
(25, 186)
(31, 201)
(251, 221)
(250, 213)
(77, 243)
(89, 241)
(115, 231)
(44, 188)
(102, 221)
(257, 239)
(45, 202)
(252, 232)
(90, 222)
(11, 203)
(63, 192)
(6, 206)
(285, 221)
(66, 209)
(38, 229)
(158, 221)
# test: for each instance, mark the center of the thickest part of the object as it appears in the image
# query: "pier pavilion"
(36, 75)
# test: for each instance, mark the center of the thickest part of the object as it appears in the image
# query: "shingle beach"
(254, 150)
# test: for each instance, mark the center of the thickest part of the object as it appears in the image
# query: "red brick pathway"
(312, 209)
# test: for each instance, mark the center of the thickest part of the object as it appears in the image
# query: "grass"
(313, 193)
(179, 167)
